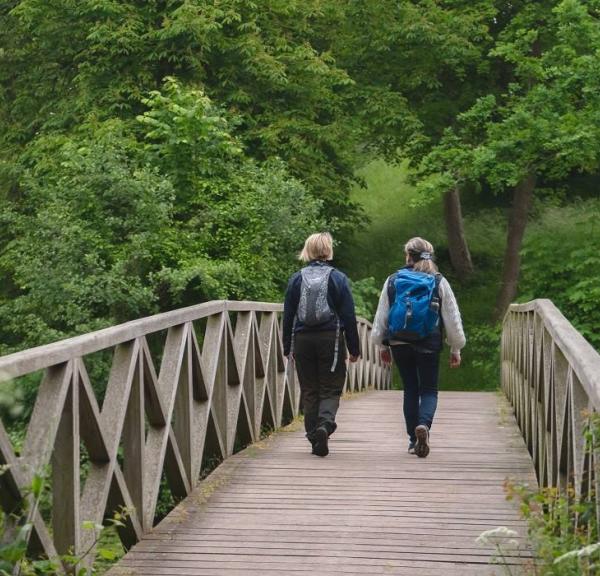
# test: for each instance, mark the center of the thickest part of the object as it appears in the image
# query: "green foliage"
(561, 262)
(125, 192)
(65, 61)
(240, 222)
(415, 64)
(84, 236)
(563, 530)
(11, 401)
(484, 351)
(537, 124)
(112, 224)
(545, 120)
(166, 500)
(366, 295)
(16, 529)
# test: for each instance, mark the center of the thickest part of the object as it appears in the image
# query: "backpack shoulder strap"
(391, 287)
(438, 281)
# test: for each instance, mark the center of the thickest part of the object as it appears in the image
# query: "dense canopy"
(157, 154)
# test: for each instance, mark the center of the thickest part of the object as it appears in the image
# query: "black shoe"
(422, 445)
(320, 447)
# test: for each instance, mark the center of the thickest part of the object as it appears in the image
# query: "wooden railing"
(181, 388)
(551, 374)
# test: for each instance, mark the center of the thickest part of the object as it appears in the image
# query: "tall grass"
(387, 200)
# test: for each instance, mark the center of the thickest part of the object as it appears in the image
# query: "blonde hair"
(318, 246)
(420, 253)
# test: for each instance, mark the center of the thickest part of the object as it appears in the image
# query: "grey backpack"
(313, 308)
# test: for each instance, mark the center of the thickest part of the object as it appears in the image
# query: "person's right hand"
(454, 360)
(353, 358)
(386, 356)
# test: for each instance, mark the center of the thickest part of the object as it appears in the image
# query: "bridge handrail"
(222, 378)
(579, 352)
(551, 375)
(40, 357)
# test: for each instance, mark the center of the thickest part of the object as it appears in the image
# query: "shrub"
(561, 262)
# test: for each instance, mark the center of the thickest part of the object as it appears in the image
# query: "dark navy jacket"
(340, 301)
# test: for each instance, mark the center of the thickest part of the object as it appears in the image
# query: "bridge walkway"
(368, 508)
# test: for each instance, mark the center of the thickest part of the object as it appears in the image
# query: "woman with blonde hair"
(318, 321)
(415, 307)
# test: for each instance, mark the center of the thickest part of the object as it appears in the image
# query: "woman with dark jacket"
(318, 323)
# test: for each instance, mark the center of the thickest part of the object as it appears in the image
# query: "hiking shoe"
(411, 447)
(422, 445)
(320, 447)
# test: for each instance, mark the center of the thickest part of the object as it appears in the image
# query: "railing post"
(66, 523)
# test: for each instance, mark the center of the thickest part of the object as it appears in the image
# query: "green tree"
(65, 61)
(83, 236)
(135, 194)
(416, 66)
(543, 128)
(239, 222)
(110, 224)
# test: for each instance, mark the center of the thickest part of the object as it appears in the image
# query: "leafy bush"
(110, 225)
(239, 223)
(83, 236)
(366, 295)
(561, 262)
(563, 529)
(16, 529)
(484, 352)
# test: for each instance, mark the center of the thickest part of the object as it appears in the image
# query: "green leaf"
(107, 554)
(37, 485)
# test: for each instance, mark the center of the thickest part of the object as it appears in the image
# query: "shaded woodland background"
(163, 153)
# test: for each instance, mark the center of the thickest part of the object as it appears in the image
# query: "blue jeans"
(419, 372)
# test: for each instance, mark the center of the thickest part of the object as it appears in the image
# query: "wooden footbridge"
(136, 414)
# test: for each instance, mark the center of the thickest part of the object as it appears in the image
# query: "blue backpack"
(415, 312)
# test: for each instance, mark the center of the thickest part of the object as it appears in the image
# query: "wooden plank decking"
(368, 508)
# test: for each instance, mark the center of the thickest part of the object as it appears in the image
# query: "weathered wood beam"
(209, 399)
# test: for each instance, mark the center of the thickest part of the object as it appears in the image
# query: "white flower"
(579, 553)
(495, 534)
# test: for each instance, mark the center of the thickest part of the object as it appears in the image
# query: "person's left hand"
(385, 355)
(353, 358)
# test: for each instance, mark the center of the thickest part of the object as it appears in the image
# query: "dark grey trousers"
(321, 388)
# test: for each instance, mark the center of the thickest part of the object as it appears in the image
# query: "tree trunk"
(517, 222)
(460, 256)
